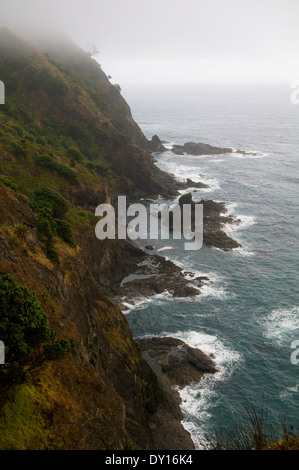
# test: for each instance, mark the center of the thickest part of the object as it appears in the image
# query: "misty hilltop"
(63, 100)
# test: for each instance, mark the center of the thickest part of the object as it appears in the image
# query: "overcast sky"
(175, 40)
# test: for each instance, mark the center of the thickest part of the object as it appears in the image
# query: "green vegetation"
(56, 87)
(56, 350)
(50, 163)
(47, 232)
(75, 154)
(77, 132)
(22, 319)
(64, 231)
(45, 198)
(99, 167)
(58, 151)
(8, 183)
(50, 208)
(23, 422)
(24, 326)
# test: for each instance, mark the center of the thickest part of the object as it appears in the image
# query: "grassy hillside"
(61, 105)
(74, 377)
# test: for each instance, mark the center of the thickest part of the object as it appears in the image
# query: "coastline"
(154, 275)
(150, 274)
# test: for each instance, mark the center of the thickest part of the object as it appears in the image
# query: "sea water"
(247, 315)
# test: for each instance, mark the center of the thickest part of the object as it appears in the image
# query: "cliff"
(68, 142)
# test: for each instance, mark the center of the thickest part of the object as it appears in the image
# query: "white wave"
(281, 324)
(168, 145)
(213, 184)
(212, 291)
(249, 154)
(198, 400)
(243, 251)
(141, 303)
(213, 287)
(165, 248)
(184, 169)
(137, 304)
(210, 345)
(288, 393)
(243, 222)
(231, 207)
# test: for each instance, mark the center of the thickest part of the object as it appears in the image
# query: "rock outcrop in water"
(193, 148)
(180, 363)
(150, 275)
(155, 145)
(175, 364)
(200, 149)
(213, 222)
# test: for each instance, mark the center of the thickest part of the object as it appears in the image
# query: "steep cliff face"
(62, 99)
(68, 143)
(101, 395)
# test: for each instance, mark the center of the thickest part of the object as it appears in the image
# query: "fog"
(174, 41)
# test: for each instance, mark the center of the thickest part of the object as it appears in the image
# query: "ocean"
(247, 316)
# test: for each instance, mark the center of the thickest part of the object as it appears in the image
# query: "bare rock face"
(155, 145)
(174, 363)
(150, 275)
(14, 210)
(181, 364)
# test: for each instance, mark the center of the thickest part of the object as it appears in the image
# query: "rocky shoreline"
(149, 273)
(175, 364)
(154, 275)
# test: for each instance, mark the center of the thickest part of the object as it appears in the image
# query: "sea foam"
(281, 324)
(198, 400)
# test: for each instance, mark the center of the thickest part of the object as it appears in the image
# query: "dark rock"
(174, 363)
(155, 145)
(172, 357)
(213, 221)
(185, 199)
(153, 275)
(197, 149)
(193, 184)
